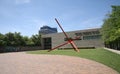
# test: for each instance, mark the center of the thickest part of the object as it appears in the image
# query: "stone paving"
(22, 63)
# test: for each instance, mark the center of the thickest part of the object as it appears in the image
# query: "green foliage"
(36, 39)
(16, 39)
(111, 27)
(2, 42)
(28, 41)
(100, 55)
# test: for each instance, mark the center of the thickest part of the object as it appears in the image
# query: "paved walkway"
(115, 51)
(22, 63)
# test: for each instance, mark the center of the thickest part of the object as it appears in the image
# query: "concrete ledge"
(112, 50)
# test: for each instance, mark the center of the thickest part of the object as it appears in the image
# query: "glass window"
(91, 37)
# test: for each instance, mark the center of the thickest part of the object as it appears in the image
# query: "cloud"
(22, 1)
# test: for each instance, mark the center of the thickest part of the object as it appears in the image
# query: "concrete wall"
(58, 38)
(16, 49)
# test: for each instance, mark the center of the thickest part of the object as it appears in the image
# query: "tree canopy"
(16, 39)
(111, 27)
(36, 39)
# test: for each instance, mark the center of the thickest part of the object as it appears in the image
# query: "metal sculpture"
(68, 40)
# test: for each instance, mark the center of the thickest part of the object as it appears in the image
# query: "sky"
(27, 16)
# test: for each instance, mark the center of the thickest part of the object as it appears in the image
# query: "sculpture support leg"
(74, 46)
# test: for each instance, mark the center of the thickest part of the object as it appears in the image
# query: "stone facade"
(89, 38)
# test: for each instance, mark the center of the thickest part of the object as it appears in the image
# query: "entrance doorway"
(47, 43)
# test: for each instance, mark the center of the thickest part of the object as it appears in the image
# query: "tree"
(19, 41)
(111, 28)
(36, 39)
(14, 39)
(9, 38)
(28, 41)
(2, 42)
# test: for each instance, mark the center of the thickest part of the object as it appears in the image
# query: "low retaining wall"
(16, 49)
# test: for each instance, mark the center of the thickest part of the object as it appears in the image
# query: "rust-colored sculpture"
(68, 39)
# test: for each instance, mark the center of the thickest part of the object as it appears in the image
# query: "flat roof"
(86, 30)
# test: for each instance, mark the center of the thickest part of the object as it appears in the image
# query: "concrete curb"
(112, 50)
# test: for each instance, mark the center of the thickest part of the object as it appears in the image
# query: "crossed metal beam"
(69, 40)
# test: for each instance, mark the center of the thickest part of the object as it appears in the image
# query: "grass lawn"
(100, 55)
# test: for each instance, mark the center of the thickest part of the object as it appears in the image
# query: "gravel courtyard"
(22, 63)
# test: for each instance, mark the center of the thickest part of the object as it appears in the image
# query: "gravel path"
(22, 63)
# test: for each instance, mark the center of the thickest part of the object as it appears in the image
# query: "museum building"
(89, 38)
